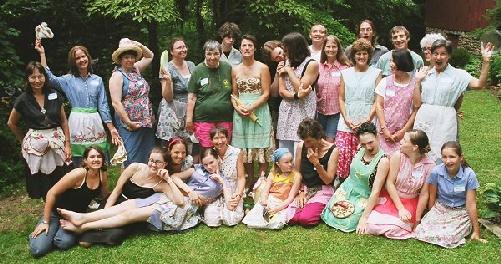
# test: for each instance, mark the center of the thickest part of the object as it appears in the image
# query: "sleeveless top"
(397, 104)
(308, 171)
(131, 190)
(135, 91)
(292, 112)
(359, 92)
(78, 199)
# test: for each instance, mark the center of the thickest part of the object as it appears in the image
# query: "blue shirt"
(83, 92)
(451, 191)
(445, 88)
(384, 62)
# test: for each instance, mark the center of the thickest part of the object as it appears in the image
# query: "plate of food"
(342, 209)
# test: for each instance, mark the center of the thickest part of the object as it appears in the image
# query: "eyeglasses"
(157, 162)
(425, 49)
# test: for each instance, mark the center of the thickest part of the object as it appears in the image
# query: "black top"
(308, 171)
(34, 116)
(132, 191)
(77, 200)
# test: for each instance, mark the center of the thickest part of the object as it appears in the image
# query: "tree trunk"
(155, 65)
(200, 23)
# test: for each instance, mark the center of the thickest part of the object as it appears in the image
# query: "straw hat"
(124, 45)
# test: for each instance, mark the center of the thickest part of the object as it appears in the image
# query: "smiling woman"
(73, 192)
(441, 86)
(46, 145)
(88, 99)
(130, 98)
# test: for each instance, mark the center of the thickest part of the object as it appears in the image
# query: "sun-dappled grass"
(481, 138)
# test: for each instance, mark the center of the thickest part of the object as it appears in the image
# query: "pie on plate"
(342, 209)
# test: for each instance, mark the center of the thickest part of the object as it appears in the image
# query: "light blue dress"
(437, 115)
(359, 94)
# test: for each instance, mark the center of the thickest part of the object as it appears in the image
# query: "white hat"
(126, 44)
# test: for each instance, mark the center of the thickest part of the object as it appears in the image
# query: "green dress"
(254, 138)
(356, 189)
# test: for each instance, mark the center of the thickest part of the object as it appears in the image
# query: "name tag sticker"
(204, 81)
(417, 173)
(335, 74)
(458, 189)
(390, 93)
(52, 96)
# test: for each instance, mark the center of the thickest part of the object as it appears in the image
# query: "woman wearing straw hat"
(129, 95)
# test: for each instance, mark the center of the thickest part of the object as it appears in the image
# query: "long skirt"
(384, 218)
(43, 151)
(217, 213)
(253, 137)
(444, 226)
(440, 125)
(255, 218)
(170, 217)
(347, 144)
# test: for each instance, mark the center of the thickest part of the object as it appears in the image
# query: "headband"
(279, 153)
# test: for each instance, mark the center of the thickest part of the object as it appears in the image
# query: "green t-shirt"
(213, 89)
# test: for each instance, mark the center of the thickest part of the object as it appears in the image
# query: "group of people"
(366, 139)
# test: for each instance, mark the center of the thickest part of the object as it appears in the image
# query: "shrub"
(460, 57)
(492, 198)
(495, 72)
(473, 66)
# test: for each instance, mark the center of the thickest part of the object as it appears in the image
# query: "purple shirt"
(201, 183)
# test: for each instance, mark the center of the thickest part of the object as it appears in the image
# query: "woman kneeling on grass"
(282, 186)
(166, 211)
(452, 188)
(74, 191)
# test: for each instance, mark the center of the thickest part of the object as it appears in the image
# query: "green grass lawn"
(481, 138)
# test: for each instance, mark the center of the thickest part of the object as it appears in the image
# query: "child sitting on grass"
(282, 185)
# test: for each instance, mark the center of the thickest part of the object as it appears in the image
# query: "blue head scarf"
(279, 153)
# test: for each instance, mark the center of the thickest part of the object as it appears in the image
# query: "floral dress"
(137, 105)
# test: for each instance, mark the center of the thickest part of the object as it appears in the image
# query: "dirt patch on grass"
(19, 212)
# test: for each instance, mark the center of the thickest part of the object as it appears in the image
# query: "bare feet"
(68, 226)
(75, 218)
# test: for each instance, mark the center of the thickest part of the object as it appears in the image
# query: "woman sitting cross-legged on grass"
(74, 191)
(452, 193)
(281, 188)
(406, 192)
(353, 200)
(169, 210)
(139, 181)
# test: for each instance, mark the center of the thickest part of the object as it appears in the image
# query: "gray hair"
(429, 38)
(212, 45)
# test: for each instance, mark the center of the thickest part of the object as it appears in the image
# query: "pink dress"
(397, 110)
(384, 219)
